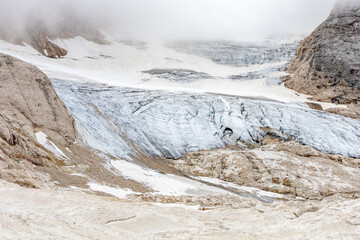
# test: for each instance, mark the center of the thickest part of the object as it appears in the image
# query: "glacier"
(126, 122)
(133, 105)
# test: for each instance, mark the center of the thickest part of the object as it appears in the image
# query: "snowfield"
(124, 64)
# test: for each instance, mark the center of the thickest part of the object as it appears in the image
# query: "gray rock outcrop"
(327, 63)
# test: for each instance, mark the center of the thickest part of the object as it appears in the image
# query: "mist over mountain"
(160, 19)
(180, 119)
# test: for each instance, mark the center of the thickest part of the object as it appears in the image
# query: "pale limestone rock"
(283, 167)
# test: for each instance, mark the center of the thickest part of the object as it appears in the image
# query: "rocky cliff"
(327, 62)
(29, 105)
(39, 36)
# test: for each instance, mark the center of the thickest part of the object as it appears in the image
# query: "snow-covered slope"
(127, 64)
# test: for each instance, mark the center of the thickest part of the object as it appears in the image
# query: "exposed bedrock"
(29, 101)
(285, 167)
(44, 46)
(39, 34)
(29, 105)
(327, 62)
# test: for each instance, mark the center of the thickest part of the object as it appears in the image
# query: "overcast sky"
(178, 19)
(225, 18)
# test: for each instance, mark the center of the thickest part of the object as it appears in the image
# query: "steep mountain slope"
(327, 62)
(30, 109)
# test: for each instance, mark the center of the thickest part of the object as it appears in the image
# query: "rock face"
(29, 105)
(36, 103)
(39, 39)
(327, 62)
(44, 46)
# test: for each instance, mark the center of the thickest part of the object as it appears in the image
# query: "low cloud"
(167, 19)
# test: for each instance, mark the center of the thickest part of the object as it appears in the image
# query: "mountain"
(30, 109)
(115, 138)
(39, 33)
(327, 62)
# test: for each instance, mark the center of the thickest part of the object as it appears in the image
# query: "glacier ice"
(125, 122)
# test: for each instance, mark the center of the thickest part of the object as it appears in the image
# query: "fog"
(168, 19)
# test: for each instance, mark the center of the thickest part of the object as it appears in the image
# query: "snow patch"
(227, 104)
(118, 64)
(164, 184)
(117, 192)
(42, 138)
(79, 175)
(177, 205)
